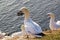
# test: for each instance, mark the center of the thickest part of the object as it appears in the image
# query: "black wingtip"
(41, 34)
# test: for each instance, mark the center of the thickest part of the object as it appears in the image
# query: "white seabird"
(31, 27)
(53, 24)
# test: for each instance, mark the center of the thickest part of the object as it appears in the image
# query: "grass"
(54, 35)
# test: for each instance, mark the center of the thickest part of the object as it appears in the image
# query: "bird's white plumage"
(17, 34)
(32, 27)
(58, 22)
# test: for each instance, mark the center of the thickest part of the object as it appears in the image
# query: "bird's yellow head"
(51, 15)
(22, 11)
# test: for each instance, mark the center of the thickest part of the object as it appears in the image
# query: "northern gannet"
(53, 24)
(31, 27)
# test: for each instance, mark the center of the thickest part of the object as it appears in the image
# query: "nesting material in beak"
(20, 13)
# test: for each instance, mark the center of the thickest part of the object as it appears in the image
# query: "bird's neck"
(52, 20)
(52, 23)
(27, 15)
